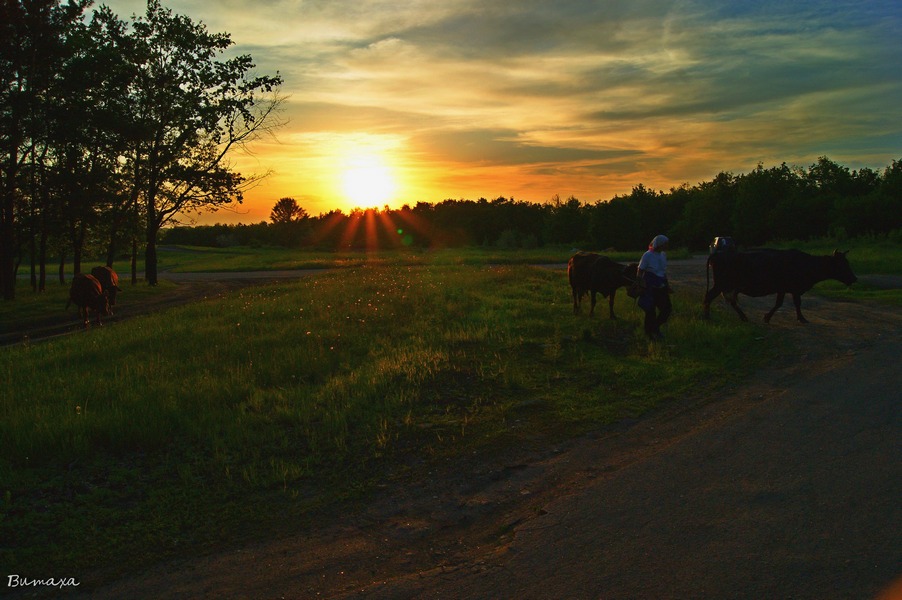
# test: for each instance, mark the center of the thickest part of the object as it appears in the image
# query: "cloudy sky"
(395, 102)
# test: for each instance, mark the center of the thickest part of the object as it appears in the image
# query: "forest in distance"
(766, 204)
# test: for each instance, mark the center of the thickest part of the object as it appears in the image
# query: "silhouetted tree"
(287, 210)
(290, 226)
(190, 109)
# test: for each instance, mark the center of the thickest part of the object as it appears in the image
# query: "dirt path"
(787, 486)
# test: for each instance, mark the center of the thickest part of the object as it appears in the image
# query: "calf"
(109, 281)
(593, 273)
(87, 293)
(765, 272)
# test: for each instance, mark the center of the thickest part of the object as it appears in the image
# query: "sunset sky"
(397, 102)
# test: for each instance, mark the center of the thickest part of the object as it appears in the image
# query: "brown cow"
(87, 293)
(109, 281)
(594, 273)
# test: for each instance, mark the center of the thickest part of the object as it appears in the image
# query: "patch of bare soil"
(670, 505)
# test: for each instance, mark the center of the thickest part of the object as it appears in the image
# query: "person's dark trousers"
(657, 314)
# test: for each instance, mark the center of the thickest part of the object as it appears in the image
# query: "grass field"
(225, 419)
(187, 259)
(192, 259)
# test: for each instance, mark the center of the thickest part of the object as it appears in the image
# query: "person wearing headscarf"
(655, 298)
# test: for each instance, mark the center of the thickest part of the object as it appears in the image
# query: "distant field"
(192, 259)
(186, 259)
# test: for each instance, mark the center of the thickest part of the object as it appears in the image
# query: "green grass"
(223, 420)
(186, 259)
(31, 307)
(859, 292)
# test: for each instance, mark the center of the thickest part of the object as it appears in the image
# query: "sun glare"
(367, 181)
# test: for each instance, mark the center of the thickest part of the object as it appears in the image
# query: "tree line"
(766, 204)
(111, 128)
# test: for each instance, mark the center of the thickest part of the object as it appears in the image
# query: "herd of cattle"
(752, 273)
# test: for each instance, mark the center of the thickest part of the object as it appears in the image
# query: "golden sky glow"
(400, 102)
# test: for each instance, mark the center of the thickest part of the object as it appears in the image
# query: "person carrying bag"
(654, 298)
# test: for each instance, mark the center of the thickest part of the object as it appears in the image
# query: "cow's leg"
(778, 304)
(576, 294)
(611, 304)
(709, 296)
(733, 299)
(592, 309)
(83, 313)
(797, 300)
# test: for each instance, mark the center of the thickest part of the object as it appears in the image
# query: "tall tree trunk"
(78, 242)
(8, 236)
(45, 237)
(150, 257)
(8, 207)
(150, 251)
(42, 261)
(33, 251)
(32, 221)
(111, 248)
(134, 260)
(134, 226)
(62, 271)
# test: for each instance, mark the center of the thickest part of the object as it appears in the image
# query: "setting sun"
(367, 181)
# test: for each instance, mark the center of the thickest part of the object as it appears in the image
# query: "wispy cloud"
(583, 97)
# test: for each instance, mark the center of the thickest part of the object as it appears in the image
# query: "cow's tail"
(708, 275)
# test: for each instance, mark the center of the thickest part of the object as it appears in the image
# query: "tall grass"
(175, 431)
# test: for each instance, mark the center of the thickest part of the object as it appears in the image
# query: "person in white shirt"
(655, 299)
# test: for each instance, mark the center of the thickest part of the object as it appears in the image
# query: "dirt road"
(792, 493)
(787, 486)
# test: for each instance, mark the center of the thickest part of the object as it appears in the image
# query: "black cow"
(765, 272)
(109, 281)
(593, 273)
(87, 293)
